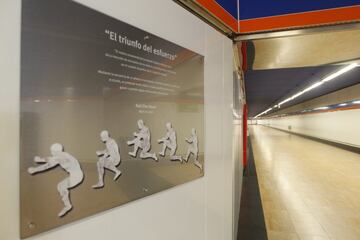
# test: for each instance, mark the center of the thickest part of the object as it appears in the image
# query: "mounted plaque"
(109, 114)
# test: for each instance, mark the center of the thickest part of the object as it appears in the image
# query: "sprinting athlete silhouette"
(169, 141)
(142, 141)
(193, 148)
(108, 158)
(70, 164)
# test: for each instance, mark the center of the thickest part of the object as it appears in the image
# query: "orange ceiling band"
(219, 12)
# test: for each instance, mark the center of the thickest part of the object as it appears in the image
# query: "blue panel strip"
(250, 9)
(229, 5)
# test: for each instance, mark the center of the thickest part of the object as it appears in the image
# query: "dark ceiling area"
(265, 88)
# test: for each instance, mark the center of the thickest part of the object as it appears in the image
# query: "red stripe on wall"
(244, 56)
(245, 117)
(214, 8)
(329, 16)
(334, 110)
(316, 112)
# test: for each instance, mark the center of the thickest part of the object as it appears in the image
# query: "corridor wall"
(202, 209)
(335, 126)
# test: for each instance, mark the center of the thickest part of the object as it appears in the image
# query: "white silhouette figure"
(193, 148)
(108, 158)
(169, 141)
(142, 140)
(70, 164)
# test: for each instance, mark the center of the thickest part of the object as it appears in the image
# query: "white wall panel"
(339, 126)
(198, 210)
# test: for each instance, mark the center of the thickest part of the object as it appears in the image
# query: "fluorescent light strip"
(321, 108)
(341, 71)
(315, 85)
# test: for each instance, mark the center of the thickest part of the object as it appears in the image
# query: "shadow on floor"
(251, 219)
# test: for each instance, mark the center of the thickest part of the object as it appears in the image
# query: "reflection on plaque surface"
(109, 114)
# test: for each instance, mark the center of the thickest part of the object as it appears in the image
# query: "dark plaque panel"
(109, 114)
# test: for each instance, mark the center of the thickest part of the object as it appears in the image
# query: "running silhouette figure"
(108, 158)
(70, 164)
(142, 140)
(193, 148)
(169, 141)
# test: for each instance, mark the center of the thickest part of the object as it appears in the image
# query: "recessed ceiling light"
(321, 108)
(315, 85)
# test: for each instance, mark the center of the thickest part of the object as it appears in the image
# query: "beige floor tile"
(309, 190)
(273, 235)
(314, 237)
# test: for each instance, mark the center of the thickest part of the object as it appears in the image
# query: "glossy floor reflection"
(309, 190)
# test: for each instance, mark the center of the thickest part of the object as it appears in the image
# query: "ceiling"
(239, 17)
(265, 88)
(304, 50)
(279, 67)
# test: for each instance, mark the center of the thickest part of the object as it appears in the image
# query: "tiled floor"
(309, 190)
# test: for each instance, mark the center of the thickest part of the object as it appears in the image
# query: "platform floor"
(309, 190)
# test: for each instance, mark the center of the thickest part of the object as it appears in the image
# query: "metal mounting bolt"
(31, 225)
